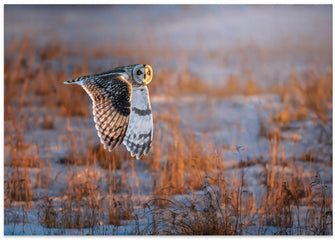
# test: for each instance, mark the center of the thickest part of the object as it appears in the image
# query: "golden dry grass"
(179, 163)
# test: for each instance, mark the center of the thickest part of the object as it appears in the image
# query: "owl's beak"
(148, 74)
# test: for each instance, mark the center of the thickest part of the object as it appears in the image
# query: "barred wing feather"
(139, 135)
(111, 108)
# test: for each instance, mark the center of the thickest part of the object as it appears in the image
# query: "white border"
(315, 2)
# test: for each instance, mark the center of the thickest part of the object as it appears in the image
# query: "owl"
(121, 107)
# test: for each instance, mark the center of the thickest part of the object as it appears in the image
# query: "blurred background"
(223, 37)
(242, 104)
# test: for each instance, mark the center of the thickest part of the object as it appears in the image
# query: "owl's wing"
(111, 108)
(139, 134)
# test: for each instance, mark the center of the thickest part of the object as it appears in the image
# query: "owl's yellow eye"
(139, 72)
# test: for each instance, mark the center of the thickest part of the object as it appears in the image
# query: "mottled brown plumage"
(121, 107)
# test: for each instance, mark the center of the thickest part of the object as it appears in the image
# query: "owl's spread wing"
(139, 134)
(111, 108)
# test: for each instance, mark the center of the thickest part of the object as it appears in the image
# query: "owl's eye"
(139, 72)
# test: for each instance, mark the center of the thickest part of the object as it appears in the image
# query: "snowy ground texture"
(235, 139)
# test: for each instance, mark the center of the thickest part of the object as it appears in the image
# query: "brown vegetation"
(180, 163)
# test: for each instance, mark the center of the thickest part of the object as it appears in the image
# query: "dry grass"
(96, 154)
(18, 186)
(197, 215)
(231, 209)
(186, 160)
(22, 160)
(233, 84)
(306, 94)
(120, 209)
(69, 214)
(179, 163)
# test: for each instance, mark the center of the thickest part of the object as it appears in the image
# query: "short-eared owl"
(121, 106)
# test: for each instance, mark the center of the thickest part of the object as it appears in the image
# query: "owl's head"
(142, 74)
(137, 74)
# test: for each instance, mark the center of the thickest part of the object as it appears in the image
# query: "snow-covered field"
(242, 107)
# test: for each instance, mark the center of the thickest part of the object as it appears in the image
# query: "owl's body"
(121, 107)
